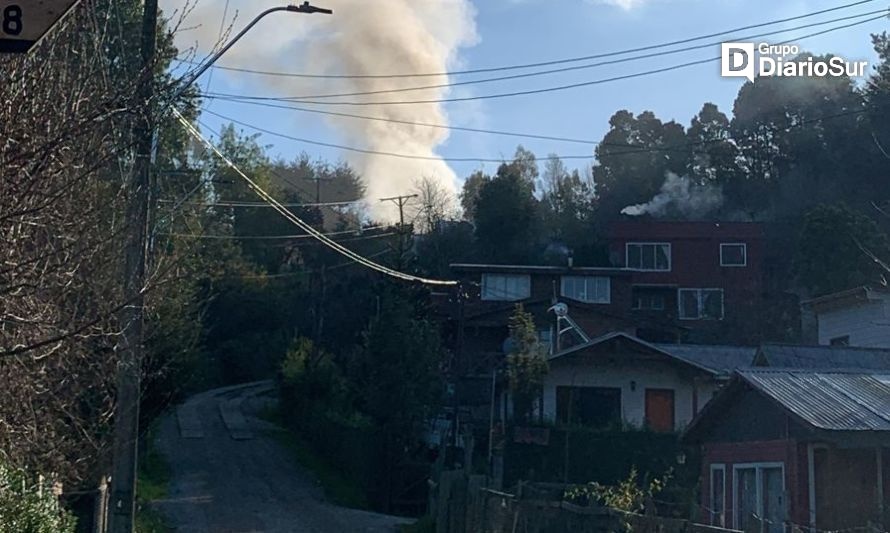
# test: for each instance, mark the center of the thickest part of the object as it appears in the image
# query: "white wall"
(646, 374)
(867, 325)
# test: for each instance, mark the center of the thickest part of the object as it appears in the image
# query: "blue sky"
(522, 31)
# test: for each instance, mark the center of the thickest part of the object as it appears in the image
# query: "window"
(591, 289)
(597, 407)
(840, 341)
(649, 301)
(759, 492)
(733, 254)
(506, 287)
(717, 504)
(701, 304)
(649, 256)
(660, 410)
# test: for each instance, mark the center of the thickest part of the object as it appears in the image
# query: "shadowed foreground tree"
(834, 251)
(526, 365)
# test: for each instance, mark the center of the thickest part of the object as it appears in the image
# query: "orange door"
(660, 409)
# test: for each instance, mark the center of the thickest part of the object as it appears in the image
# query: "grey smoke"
(680, 197)
(361, 38)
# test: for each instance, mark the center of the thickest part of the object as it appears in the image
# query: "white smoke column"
(361, 38)
(679, 196)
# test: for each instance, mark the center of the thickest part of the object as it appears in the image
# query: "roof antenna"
(565, 324)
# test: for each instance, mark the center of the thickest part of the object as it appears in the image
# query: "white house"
(856, 317)
(618, 379)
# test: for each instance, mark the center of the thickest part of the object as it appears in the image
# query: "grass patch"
(153, 482)
(337, 487)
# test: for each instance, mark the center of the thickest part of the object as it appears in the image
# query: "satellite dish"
(561, 310)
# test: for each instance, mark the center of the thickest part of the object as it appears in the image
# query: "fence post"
(100, 513)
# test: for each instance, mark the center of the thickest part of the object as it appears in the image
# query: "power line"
(575, 67)
(259, 204)
(278, 237)
(530, 91)
(408, 122)
(377, 152)
(631, 149)
(301, 223)
(541, 63)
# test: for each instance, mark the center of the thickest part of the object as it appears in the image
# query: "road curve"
(229, 476)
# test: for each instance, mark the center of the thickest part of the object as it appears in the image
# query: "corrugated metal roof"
(719, 359)
(653, 347)
(835, 401)
(825, 357)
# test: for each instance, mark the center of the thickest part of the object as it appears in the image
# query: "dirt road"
(229, 476)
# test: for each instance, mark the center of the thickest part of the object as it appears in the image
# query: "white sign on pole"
(24, 22)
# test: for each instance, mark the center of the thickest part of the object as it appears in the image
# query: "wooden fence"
(463, 504)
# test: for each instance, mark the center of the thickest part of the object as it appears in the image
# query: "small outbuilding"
(796, 447)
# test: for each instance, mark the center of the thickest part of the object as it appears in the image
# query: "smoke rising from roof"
(361, 38)
(680, 197)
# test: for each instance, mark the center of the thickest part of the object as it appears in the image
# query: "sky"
(404, 36)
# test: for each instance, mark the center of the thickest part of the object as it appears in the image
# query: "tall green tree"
(506, 214)
(837, 250)
(634, 158)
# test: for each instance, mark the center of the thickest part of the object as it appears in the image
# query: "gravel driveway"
(229, 476)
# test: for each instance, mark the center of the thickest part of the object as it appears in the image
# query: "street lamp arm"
(305, 7)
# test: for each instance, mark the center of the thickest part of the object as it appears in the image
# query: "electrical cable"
(576, 67)
(301, 223)
(541, 63)
(631, 149)
(528, 92)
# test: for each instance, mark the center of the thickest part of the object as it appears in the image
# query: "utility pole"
(122, 503)
(401, 202)
(129, 348)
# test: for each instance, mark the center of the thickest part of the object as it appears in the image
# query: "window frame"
(651, 296)
(586, 280)
(641, 244)
(744, 246)
(717, 520)
(700, 292)
(505, 297)
(758, 485)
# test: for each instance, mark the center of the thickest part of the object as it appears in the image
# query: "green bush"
(29, 506)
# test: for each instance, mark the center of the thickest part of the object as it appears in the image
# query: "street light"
(305, 7)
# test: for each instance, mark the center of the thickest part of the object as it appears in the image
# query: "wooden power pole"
(401, 202)
(122, 504)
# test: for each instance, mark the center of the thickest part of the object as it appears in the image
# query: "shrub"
(27, 506)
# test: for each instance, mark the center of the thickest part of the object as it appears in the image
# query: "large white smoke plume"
(680, 197)
(361, 38)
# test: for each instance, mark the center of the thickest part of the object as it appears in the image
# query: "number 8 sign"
(24, 22)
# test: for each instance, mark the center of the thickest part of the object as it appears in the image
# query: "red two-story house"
(704, 277)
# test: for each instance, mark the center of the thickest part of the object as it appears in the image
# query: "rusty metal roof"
(829, 400)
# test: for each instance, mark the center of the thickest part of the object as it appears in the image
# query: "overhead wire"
(630, 148)
(543, 63)
(301, 223)
(412, 123)
(261, 204)
(283, 237)
(528, 92)
(575, 67)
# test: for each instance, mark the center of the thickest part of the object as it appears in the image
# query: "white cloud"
(627, 5)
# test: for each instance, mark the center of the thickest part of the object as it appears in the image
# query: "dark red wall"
(787, 451)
